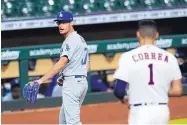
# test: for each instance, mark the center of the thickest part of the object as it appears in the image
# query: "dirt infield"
(105, 113)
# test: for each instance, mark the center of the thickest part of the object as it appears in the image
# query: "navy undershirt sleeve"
(120, 88)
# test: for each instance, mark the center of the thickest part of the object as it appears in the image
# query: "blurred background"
(31, 42)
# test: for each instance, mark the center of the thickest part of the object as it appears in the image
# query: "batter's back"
(149, 70)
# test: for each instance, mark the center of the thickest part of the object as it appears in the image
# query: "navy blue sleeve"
(120, 88)
(96, 85)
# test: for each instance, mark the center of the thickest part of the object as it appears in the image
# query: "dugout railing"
(23, 54)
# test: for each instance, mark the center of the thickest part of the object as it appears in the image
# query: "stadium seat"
(48, 7)
(117, 5)
(185, 1)
(131, 4)
(67, 5)
(78, 8)
(89, 6)
(151, 3)
(104, 5)
(23, 9)
(3, 9)
(74, 6)
(10, 8)
(33, 8)
(112, 5)
(56, 7)
(29, 8)
(26, 9)
(171, 3)
(39, 7)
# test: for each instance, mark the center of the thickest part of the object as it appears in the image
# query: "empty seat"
(54, 6)
(117, 5)
(10, 9)
(89, 6)
(39, 8)
(26, 9)
(48, 7)
(151, 3)
(184, 1)
(67, 5)
(3, 9)
(111, 5)
(171, 3)
(104, 5)
(78, 8)
(131, 4)
(74, 6)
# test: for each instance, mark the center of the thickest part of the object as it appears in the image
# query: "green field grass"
(179, 121)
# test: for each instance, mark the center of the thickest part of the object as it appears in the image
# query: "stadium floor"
(100, 113)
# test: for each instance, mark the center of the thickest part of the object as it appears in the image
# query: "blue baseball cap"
(64, 16)
(14, 81)
(179, 55)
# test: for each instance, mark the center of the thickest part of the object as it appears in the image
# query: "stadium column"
(23, 73)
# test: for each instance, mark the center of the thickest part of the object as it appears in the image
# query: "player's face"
(180, 60)
(64, 27)
(16, 93)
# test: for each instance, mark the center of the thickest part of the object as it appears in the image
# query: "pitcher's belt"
(75, 76)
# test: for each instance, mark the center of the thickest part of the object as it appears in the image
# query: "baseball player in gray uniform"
(72, 65)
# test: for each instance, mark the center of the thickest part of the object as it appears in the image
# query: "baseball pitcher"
(150, 75)
(72, 65)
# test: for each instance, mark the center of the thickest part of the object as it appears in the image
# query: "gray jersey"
(75, 48)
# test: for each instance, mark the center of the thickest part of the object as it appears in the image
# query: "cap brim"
(65, 21)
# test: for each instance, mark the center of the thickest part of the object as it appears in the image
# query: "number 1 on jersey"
(151, 74)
